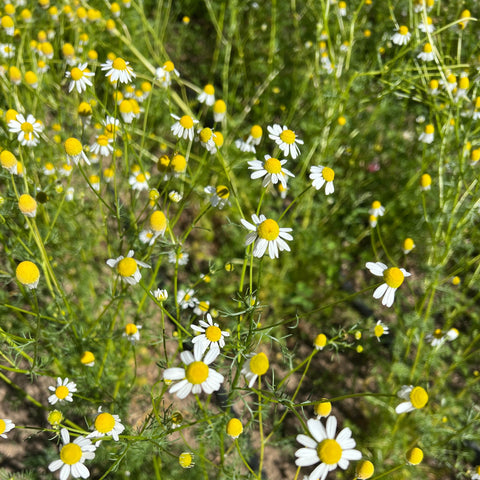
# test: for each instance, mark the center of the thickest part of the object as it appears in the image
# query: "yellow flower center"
(272, 165)
(379, 330)
(429, 129)
(364, 469)
(433, 84)
(179, 163)
(104, 423)
(438, 333)
(329, 451)
(427, 48)
(87, 357)
(328, 174)
(127, 267)
(256, 131)
(408, 244)
(169, 66)
(376, 205)
(3, 425)
(186, 460)
(234, 427)
(197, 372)
(73, 147)
(393, 277)
(223, 192)
(464, 83)
(323, 409)
(102, 140)
(259, 364)
(418, 397)
(55, 417)
(287, 136)
(27, 127)
(76, 73)
(141, 178)
(213, 333)
(186, 122)
(209, 89)
(61, 392)
(204, 306)
(119, 64)
(71, 454)
(131, 329)
(220, 106)
(158, 221)
(206, 135)
(415, 456)
(451, 78)
(27, 273)
(425, 180)
(126, 106)
(268, 229)
(7, 159)
(320, 340)
(27, 203)
(403, 30)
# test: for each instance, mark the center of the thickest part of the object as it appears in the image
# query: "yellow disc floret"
(127, 267)
(206, 134)
(62, 392)
(186, 122)
(329, 451)
(119, 64)
(213, 333)
(418, 397)
(104, 423)
(209, 89)
(259, 364)
(272, 165)
(27, 273)
(256, 131)
(320, 341)
(403, 30)
(323, 409)
(328, 174)
(288, 136)
(87, 357)
(71, 454)
(197, 372)
(27, 205)
(364, 470)
(415, 456)
(158, 221)
(73, 147)
(268, 229)
(234, 428)
(393, 277)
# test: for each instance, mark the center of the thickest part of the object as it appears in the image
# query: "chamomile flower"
(436, 338)
(28, 130)
(8, 161)
(80, 78)
(184, 127)
(165, 73)
(48, 169)
(267, 234)
(219, 110)
(62, 392)
(234, 428)
(107, 424)
(27, 205)
(74, 150)
(72, 456)
(322, 175)
(197, 376)
(206, 137)
(408, 245)
(286, 140)
(118, 70)
(185, 460)
(377, 210)
(271, 170)
(425, 182)
(207, 96)
(139, 181)
(322, 446)
(7, 50)
(5, 426)
(160, 295)
(127, 267)
(132, 333)
(427, 26)
(218, 195)
(210, 336)
(201, 308)
(157, 224)
(401, 36)
(323, 409)
(428, 135)
(414, 456)
(364, 470)
(380, 329)
(416, 398)
(102, 146)
(393, 277)
(65, 170)
(255, 135)
(87, 359)
(427, 54)
(255, 366)
(186, 298)
(180, 257)
(320, 341)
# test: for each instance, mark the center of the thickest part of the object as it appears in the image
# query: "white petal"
(379, 291)
(351, 454)
(187, 357)
(320, 472)
(55, 465)
(306, 441)
(389, 297)
(404, 407)
(331, 426)
(260, 247)
(376, 268)
(174, 374)
(317, 430)
(306, 458)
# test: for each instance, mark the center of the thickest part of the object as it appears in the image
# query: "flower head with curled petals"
(286, 140)
(393, 277)
(107, 424)
(210, 336)
(197, 376)
(184, 127)
(72, 457)
(321, 175)
(5, 426)
(324, 448)
(267, 234)
(118, 70)
(416, 398)
(127, 267)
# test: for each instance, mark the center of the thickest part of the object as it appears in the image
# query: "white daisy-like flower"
(132, 333)
(255, 366)
(160, 295)
(267, 234)
(416, 398)
(74, 151)
(427, 26)
(322, 175)
(182, 257)
(102, 146)
(184, 127)
(107, 424)
(201, 308)
(286, 140)
(206, 137)
(80, 78)
(28, 130)
(380, 329)
(7, 50)
(245, 146)
(112, 125)
(427, 54)
(196, 377)
(118, 70)
(401, 36)
(5, 426)
(207, 96)
(393, 277)
(428, 134)
(62, 392)
(127, 267)
(139, 181)
(377, 209)
(164, 74)
(271, 170)
(72, 456)
(186, 298)
(324, 447)
(210, 336)
(436, 338)
(218, 195)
